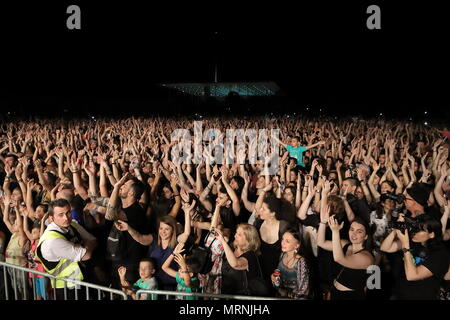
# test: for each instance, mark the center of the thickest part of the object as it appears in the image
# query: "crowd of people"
(103, 201)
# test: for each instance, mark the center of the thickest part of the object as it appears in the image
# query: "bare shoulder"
(366, 255)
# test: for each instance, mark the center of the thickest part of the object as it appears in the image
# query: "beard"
(122, 194)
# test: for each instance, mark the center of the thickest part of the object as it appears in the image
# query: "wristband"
(406, 250)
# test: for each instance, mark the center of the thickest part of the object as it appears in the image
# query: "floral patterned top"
(212, 282)
(296, 279)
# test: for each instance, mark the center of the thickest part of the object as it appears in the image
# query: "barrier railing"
(77, 292)
(211, 296)
(101, 292)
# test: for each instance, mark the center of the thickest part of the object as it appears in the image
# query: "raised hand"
(122, 180)
(179, 248)
(184, 195)
(89, 168)
(179, 259)
(224, 171)
(426, 175)
(327, 187)
(101, 159)
(188, 207)
(122, 271)
(24, 161)
(320, 169)
(19, 171)
(216, 170)
(8, 170)
(174, 179)
(59, 153)
(74, 164)
(360, 174)
(334, 225)
(31, 184)
(437, 143)
(7, 200)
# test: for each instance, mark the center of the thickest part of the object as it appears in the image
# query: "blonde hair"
(170, 221)
(252, 236)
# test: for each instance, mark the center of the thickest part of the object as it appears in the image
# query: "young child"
(40, 282)
(186, 276)
(147, 268)
(296, 150)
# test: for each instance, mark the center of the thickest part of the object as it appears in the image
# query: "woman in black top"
(243, 257)
(425, 258)
(353, 256)
(271, 229)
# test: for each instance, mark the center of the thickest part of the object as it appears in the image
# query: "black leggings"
(347, 295)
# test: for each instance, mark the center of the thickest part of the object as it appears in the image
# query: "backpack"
(115, 245)
(204, 255)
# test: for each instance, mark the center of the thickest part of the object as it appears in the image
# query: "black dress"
(270, 252)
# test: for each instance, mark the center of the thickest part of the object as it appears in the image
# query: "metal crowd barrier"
(203, 295)
(101, 291)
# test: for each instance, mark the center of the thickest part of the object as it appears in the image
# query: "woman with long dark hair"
(353, 255)
(270, 228)
(294, 270)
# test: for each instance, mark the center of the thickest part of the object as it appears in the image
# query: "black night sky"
(320, 56)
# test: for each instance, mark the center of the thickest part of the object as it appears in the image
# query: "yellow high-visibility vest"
(65, 268)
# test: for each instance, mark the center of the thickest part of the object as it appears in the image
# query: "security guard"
(62, 246)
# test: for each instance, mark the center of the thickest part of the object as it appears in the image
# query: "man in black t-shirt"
(128, 209)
